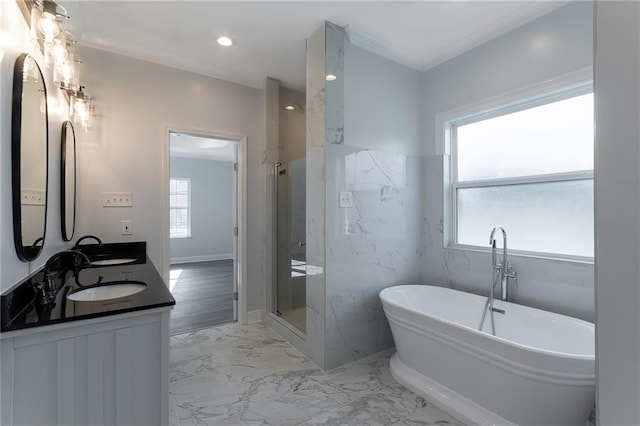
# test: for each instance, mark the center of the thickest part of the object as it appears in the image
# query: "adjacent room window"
(529, 168)
(179, 208)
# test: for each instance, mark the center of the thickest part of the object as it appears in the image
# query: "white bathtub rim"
(444, 398)
(566, 355)
(523, 370)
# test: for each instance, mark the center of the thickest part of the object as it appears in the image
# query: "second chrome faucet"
(501, 271)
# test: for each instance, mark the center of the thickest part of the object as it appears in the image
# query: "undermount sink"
(107, 291)
(112, 262)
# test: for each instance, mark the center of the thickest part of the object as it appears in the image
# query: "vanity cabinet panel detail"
(96, 372)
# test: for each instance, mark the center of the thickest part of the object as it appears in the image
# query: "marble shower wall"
(373, 151)
(313, 346)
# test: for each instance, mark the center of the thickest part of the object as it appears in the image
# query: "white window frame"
(188, 208)
(564, 87)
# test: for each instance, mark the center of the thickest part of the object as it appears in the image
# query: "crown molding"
(381, 48)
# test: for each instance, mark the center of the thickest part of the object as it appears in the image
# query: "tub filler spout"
(503, 270)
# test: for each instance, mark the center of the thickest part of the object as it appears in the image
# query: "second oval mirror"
(68, 181)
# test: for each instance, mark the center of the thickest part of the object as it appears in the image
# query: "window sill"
(525, 255)
(180, 238)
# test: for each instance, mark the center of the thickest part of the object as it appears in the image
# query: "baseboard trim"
(254, 316)
(205, 258)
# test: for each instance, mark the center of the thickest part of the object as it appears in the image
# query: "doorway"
(202, 209)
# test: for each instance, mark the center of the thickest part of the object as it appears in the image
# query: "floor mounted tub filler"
(539, 368)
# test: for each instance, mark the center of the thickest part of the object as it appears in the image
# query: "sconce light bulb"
(48, 26)
(80, 108)
(290, 107)
(66, 73)
(59, 51)
(331, 77)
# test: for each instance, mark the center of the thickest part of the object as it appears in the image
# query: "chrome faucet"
(501, 273)
(48, 289)
(502, 270)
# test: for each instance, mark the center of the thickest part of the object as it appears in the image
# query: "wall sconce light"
(49, 30)
(62, 47)
(66, 73)
(81, 108)
(47, 19)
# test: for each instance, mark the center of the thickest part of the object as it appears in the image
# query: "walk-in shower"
(289, 295)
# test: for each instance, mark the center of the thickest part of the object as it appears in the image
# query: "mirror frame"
(64, 163)
(16, 149)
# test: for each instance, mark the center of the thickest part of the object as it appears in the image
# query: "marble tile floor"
(248, 375)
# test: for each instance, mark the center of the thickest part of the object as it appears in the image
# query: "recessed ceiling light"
(290, 107)
(331, 77)
(225, 41)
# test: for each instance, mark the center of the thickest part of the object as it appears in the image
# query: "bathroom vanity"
(99, 354)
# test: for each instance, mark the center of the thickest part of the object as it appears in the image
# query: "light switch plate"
(346, 199)
(117, 199)
(32, 197)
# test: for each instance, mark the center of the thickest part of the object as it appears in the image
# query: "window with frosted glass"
(179, 203)
(529, 170)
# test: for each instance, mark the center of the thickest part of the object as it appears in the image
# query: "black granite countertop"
(21, 307)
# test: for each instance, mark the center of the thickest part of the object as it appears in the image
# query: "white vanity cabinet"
(112, 370)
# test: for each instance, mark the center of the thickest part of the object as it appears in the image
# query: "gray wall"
(617, 68)
(211, 209)
(136, 100)
(555, 44)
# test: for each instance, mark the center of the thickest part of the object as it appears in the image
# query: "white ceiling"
(270, 36)
(193, 146)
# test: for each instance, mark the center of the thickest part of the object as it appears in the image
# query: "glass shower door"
(290, 291)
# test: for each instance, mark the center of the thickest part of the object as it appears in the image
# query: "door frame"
(240, 242)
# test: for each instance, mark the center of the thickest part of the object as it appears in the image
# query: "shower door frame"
(272, 294)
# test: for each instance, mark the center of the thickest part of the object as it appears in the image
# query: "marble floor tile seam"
(341, 406)
(353, 402)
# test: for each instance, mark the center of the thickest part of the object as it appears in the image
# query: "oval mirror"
(29, 154)
(68, 181)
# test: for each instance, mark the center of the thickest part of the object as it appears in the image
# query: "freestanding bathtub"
(539, 369)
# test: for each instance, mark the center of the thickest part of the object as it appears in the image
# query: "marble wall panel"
(370, 246)
(376, 243)
(315, 201)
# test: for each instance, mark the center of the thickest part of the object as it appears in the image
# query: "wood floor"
(203, 293)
